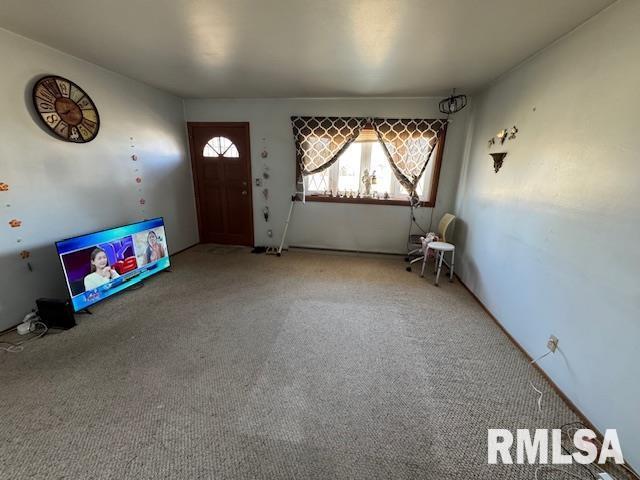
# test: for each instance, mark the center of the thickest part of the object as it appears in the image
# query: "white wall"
(61, 189)
(329, 225)
(550, 243)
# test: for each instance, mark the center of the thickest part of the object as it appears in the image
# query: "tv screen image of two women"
(100, 264)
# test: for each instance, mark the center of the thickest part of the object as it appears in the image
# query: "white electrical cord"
(622, 466)
(531, 364)
(19, 347)
(557, 469)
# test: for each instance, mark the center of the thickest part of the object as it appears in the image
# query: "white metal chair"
(443, 230)
(440, 248)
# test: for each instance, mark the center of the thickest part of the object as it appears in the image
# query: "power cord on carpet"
(539, 392)
(574, 426)
(603, 474)
(19, 347)
(566, 450)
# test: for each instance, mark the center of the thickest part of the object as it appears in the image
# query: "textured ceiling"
(301, 48)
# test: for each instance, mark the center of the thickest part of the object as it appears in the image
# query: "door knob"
(244, 192)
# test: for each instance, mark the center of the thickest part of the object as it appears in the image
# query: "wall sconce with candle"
(498, 158)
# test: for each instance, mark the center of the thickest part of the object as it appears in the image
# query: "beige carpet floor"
(308, 366)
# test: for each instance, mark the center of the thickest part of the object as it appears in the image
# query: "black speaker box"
(55, 313)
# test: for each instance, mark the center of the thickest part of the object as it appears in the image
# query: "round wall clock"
(66, 109)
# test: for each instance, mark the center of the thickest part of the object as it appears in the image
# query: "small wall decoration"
(15, 223)
(498, 158)
(368, 180)
(65, 109)
(503, 135)
(138, 176)
(4, 187)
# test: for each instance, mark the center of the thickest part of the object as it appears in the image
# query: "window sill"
(362, 201)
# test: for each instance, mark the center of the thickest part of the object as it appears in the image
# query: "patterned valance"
(321, 140)
(407, 143)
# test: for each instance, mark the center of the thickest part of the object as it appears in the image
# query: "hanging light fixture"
(453, 103)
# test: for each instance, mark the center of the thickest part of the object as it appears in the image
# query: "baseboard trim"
(342, 250)
(583, 418)
(184, 249)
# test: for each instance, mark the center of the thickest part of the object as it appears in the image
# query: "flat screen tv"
(100, 264)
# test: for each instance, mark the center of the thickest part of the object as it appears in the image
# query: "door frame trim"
(194, 170)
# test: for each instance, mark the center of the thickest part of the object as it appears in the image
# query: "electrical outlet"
(552, 343)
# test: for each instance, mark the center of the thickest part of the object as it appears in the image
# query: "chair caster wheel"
(278, 254)
(408, 269)
(406, 259)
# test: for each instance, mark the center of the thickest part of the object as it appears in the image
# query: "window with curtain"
(338, 156)
(344, 177)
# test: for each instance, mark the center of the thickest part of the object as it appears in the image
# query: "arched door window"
(220, 147)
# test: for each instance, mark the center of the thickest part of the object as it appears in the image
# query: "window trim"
(429, 203)
(222, 154)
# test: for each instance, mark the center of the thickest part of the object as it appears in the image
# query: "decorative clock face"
(66, 109)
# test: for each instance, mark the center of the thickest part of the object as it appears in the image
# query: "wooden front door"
(221, 161)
